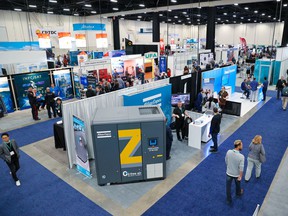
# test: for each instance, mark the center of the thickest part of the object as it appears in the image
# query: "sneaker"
(10, 173)
(168, 158)
(241, 193)
(211, 147)
(18, 183)
(213, 150)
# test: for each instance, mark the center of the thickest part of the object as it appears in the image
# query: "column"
(156, 27)
(116, 33)
(210, 33)
(285, 32)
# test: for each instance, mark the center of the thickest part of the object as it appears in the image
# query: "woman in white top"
(210, 104)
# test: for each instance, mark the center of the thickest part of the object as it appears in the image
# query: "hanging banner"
(101, 40)
(6, 104)
(89, 27)
(82, 57)
(44, 41)
(80, 40)
(82, 160)
(35, 80)
(163, 64)
(65, 40)
(77, 85)
(62, 79)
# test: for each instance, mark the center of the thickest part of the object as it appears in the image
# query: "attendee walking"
(179, 113)
(254, 84)
(284, 96)
(215, 129)
(50, 103)
(33, 103)
(169, 140)
(255, 149)
(280, 86)
(235, 166)
(58, 107)
(9, 152)
(264, 88)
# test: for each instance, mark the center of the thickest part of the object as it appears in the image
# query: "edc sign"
(53, 32)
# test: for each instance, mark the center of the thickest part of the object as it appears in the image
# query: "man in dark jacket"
(33, 103)
(90, 92)
(215, 129)
(265, 87)
(169, 140)
(50, 102)
(9, 152)
(179, 113)
(280, 86)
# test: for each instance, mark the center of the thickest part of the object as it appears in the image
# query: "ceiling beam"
(183, 6)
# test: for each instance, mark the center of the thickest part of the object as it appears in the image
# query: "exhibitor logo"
(131, 174)
(153, 100)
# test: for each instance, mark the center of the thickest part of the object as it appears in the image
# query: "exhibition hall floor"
(134, 198)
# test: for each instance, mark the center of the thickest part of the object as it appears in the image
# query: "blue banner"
(8, 46)
(82, 158)
(6, 103)
(62, 80)
(163, 64)
(89, 27)
(212, 80)
(229, 77)
(160, 96)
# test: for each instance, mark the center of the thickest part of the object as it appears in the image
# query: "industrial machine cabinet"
(129, 144)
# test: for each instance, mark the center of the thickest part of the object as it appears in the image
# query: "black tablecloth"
(59, 137)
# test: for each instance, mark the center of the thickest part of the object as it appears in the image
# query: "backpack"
(285, 91)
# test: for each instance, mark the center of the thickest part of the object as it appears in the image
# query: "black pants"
(34, 111)
(51, 105)
(279, 90)
(168, 148)
(14, 167)
(264, 93)
(215, 141)
(179, 127)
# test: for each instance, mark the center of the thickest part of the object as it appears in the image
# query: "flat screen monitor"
(184, 98)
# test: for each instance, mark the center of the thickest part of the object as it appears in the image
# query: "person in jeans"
(284, 96)
(214, 130)
(235, 165)
(254, 84)
(255, 148)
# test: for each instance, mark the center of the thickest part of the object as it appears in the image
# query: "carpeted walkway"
(202, 192)
(41, 193)
(33, 133)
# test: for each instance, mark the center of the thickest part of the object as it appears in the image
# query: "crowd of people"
(51, 100)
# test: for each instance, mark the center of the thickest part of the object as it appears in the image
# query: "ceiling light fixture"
(114, 1)
(50, 12)
(66, 9)
(246, 8)
(32, 6)
(141, 5)
(236, 4)
(174, 1)
(115, 9)
(225, 14)
(175, 17)
(93, 12)
(284, 5)
(263, 14)
(234, 15)
(88, 5)
(255, 11)
(76, 14)
(53, 1)
(17, 9)
(160, 14)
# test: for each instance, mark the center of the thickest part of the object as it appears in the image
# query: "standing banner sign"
(5, 96)
(82, 57)
(101, 40)
(163, 64)
(82, 160)
(62, 79)
(80, 40)
(40, 81)
(44, 41)
(65, 40)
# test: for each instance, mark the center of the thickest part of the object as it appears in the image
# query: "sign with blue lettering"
(163, 64)
(159, 96)
(89, 27)
(229, 77)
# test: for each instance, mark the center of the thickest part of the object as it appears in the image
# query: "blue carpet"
(33, 133)
(203, 191)
(270, 93)
(41, 193)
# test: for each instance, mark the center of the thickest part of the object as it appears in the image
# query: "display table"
(59, 137)
(199, 131)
